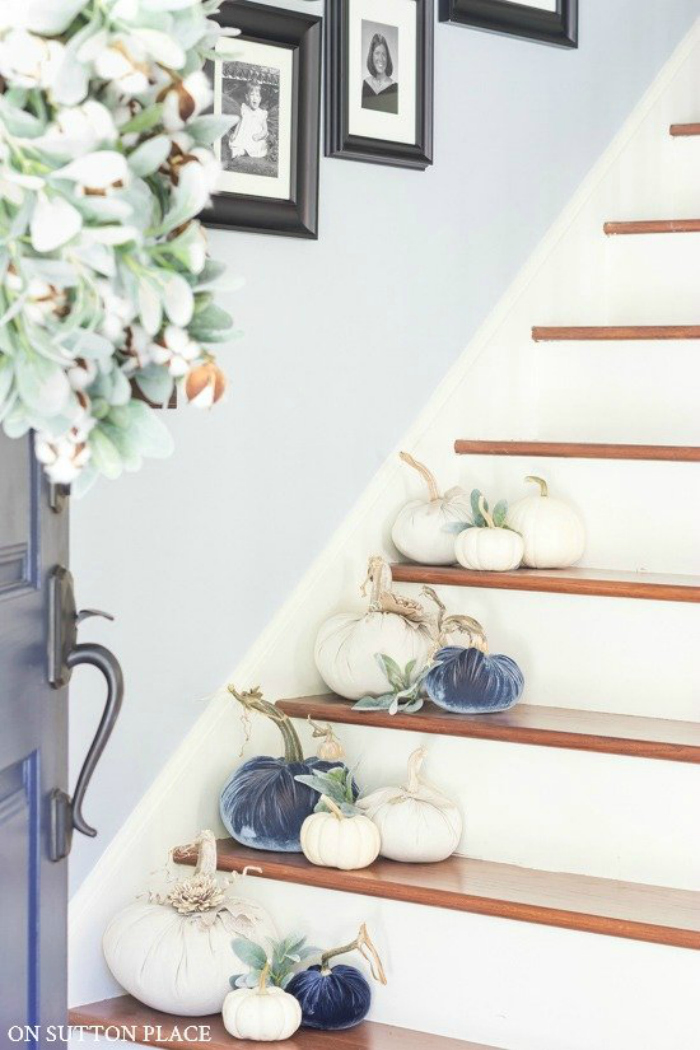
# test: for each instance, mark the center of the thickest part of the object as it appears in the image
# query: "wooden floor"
(151, 1028)
(561, 727)
(573, 902)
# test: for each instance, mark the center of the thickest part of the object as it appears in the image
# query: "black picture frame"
(338, 140)
(297, 216)
(558, 28)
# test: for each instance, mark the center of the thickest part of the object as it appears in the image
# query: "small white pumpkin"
(262, 1014)
(174, 953)
(491, 548)
(553, 534)
(420, 531)
(417, 823)
(334, 840)
(348, 644)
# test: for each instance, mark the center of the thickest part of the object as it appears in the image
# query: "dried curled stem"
(383, 599)
(366, 948)
(426, 474)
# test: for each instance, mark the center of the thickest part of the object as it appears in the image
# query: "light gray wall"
(344, 341)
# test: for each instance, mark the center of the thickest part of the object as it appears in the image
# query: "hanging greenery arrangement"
(105, 161)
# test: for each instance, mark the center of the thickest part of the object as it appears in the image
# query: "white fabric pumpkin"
(333, 840)
(491, 548)
(416, 823)
(265, 1015)
(420, 531)
(347, 645)
(175, 954)
(553, 534)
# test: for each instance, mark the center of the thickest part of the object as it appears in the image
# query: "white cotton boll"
(62, 458)
(96, 171)
(29, 61)
(54, 222)
(417, 823)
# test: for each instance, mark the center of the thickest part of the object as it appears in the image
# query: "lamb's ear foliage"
(499, 513)
(405, 694)
(284, 956)
(336, 784)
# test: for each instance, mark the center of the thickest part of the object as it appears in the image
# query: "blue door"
(38, 650)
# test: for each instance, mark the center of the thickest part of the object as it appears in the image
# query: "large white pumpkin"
(174, 954)
(416, 823)
(421, 530)
(333, 840)
(348, 644)
(265, 1015)
(553, 534)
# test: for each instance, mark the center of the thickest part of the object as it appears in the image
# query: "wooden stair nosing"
(128, 1016)
(559, 727)
(640, 226)
(684, 130)
(579, 450)
(598, 333)
(600, 583)
(582, 903)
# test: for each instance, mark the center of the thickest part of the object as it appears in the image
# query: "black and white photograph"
(252, 95)
(380, 56)
(379, 81)
(268, 82)
(543, 21)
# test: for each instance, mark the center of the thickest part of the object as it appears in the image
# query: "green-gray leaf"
(499, 513)
(249, 953)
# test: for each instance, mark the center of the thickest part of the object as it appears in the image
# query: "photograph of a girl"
(251, 93)
(380, 89)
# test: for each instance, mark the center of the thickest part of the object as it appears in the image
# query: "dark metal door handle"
(65, 654)
(105, 661)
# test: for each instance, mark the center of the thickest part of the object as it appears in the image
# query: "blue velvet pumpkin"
(338, 998)
(471, 681)
(262, 804)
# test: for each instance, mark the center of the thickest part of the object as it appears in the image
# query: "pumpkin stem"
(544, 491)
(326, 732)
(415, 762)
(363, 944)
(429, 593)
(252, 700)
(380, 580)
(206, 854)
(490, 523)
(333, 807)
(426, 474)
(262, 983)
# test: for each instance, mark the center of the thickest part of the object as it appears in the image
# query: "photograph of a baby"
(251, 93)
(380, 47)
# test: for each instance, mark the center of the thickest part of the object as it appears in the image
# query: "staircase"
(500, 892)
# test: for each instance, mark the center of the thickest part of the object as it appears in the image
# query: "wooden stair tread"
(573, 902)
(652, 226)
(561, 727)
(683, 130)
(593, 582)
(595, 333)
(126, 1014)
(578, 450)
